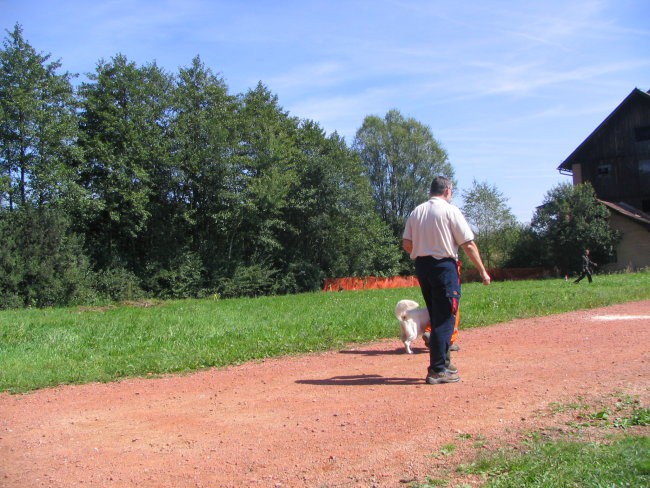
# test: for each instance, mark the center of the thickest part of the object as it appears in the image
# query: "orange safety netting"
(470, 275)
(369, 283)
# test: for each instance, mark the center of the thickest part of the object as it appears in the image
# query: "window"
(642, 136)
(644, 168)
(642, 133)
(644, 182)
(644, 176)
(604, 170)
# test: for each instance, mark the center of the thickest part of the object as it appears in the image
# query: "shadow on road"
(361, 380)
(371, 352)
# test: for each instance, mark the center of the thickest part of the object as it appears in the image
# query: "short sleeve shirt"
(437, 228)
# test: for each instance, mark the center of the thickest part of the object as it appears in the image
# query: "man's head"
(441, 186)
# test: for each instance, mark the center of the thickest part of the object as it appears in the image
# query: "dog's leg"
(407, 344)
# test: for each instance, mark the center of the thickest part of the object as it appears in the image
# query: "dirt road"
(360, 417)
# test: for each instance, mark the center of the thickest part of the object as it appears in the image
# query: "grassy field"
(41, 348)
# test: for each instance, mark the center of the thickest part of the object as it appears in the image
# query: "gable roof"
(630, 212)
(566, 166)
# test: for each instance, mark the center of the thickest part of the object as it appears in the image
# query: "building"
(615, 159)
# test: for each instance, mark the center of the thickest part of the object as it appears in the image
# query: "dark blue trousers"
(440, 286)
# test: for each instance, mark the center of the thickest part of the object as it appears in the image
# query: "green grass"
(41, 348)
(597, 453)
(623, 462)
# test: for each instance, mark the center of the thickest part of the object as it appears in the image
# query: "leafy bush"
(249, 281)
(301, 277)
(42, 262)
(118, 284)
(183, 279)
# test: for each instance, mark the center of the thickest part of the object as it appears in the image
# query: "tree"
(192, 192)
(42, 262)
(528, 250)
(333, 221)
(264, 174)
(401, 158)
(492, 220)
(124, 121)
(305, 209)
(38, 127)
(570, 220)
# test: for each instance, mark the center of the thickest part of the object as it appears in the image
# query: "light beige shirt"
(437, 228)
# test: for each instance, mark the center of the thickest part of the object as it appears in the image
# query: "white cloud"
(324, 74)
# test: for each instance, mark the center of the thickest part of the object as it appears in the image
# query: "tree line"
(138, 182)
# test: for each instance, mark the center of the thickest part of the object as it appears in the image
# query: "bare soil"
(360, 417)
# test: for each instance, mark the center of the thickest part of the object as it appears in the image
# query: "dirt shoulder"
(358, 417)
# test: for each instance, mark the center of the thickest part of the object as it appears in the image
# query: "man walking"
(587, 267)
(434, 231)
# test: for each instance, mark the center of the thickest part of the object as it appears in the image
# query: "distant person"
(587, 267)
(434, 231)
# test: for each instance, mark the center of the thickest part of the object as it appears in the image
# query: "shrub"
(42, 261)
(249, 281)
(118, 284)
(183, 279)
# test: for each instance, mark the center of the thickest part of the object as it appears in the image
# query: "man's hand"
(471, 249)
(486, 278)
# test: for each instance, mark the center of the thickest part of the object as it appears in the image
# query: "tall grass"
(40, 348)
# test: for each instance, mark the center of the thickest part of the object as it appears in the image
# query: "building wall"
(633, 252)
(616, 159)
(577, 174)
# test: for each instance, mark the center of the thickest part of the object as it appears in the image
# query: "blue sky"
(509, 88)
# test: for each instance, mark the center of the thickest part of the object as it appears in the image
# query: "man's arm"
(407, 244)
(471, 249)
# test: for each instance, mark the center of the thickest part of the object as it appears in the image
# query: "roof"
(566, 165)
(629, 211)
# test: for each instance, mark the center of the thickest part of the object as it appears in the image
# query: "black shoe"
(436, 378)
(426, 337)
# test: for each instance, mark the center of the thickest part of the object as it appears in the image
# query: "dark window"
(604, 170)
(644, 167)
(644, 177)
(642, 134)
(645, 206)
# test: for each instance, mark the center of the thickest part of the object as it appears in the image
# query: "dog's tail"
(403, 307)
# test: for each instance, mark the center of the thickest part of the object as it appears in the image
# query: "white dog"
(412, 321)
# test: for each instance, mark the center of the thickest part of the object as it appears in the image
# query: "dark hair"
(439, 185)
